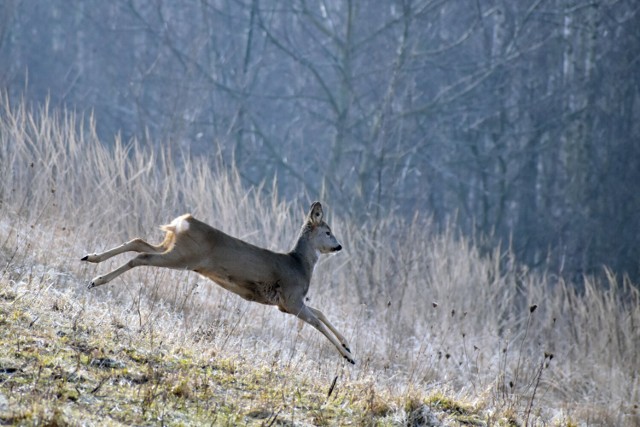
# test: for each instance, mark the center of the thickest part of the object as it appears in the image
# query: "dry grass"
(437, 328)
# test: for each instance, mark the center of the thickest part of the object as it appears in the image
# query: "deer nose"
(338, 248)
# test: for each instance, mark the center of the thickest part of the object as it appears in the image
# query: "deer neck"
(305, 254)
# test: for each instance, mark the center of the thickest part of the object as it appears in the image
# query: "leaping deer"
(256, 274)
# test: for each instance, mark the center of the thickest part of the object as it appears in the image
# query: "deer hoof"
(85, 258)
(97, 281)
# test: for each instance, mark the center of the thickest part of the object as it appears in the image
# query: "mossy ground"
(66, 364)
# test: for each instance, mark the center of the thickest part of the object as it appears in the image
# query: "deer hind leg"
(308, 314)
(135, 245)
(170, 259)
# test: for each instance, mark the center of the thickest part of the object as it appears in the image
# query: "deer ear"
(315, 213)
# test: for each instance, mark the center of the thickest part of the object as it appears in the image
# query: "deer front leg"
(324, 320)
(307, 314)
(135, 245)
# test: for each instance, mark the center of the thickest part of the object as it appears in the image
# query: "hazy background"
(517, 120)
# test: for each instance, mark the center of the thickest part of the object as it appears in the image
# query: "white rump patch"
(180, 224)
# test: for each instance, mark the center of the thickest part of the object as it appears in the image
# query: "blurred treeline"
(518, 120)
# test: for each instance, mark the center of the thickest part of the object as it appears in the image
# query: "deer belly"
(262, 292)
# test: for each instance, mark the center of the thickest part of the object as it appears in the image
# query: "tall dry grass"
(422, 307)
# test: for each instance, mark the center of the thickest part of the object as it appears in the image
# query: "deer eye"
(328, 233)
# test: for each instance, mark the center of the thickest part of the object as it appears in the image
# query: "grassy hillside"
(440, 332)
(73, 360)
